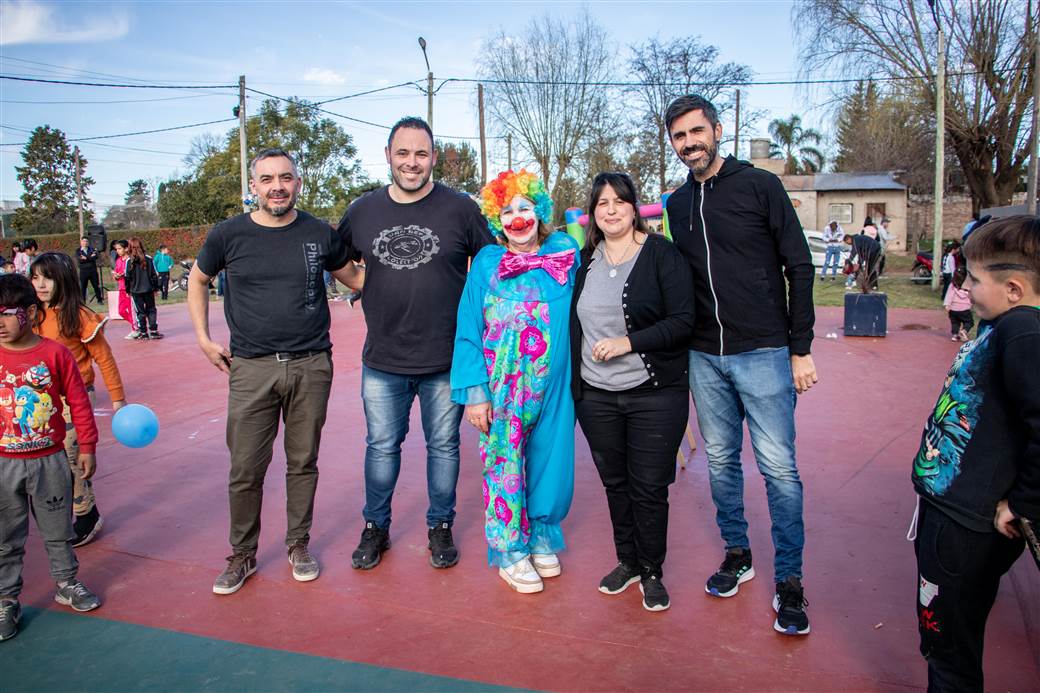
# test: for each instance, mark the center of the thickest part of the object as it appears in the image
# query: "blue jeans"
(756, 385)
(832, 260)
(388, 401)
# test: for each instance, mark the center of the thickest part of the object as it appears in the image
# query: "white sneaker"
(133, 335)
(522, 577)
(546, 564)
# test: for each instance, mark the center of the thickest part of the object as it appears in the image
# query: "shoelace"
(730, 562)
(7, 609)
(237, 562)
(77, 587)
(791, 598)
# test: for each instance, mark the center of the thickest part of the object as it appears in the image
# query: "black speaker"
(98, 238)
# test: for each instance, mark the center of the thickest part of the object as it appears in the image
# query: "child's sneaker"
(133, 335)
(789, 604)
(735, 570)
(10, 614)
(618, 580)
(655, 596)
(87, 527)
(155, 335)
(75, 594)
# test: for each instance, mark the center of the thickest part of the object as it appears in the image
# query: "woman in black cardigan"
(631, 320)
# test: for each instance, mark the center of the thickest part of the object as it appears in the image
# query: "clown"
(511, 369)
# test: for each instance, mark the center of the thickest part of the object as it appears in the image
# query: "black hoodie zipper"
(707, 251)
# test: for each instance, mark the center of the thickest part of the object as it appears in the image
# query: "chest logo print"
(406, 247)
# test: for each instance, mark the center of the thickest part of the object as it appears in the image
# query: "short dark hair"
(409, 122)
(29, 244)
(625, 189)
(272, 153)
(690, 102)
(16, 291)
(1006, 245)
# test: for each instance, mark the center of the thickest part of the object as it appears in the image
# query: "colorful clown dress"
(512, 348)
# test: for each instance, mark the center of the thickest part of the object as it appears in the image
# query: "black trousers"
(959, 571)
(634, 436)
(146, 315)
(164, 285)
(959, 319)
(89, 275)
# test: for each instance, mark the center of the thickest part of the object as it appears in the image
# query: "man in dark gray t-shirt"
(279, 362)
(416, 238)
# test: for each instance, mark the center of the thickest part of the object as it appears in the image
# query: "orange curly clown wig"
(500, 192)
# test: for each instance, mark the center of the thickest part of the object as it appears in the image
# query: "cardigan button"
(655, 383)
(624, 305)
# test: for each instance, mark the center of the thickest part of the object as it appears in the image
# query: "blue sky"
(315, 50)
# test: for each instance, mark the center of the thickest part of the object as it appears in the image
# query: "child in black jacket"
(142, 281)
(978, 468)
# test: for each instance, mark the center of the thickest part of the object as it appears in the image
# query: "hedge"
(184, 241)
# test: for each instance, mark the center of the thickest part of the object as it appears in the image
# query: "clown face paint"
(520, 224)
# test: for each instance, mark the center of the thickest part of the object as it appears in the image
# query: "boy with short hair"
(35, 373)
(163, 263)
(978, 467)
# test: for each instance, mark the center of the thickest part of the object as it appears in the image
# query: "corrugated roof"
(825, 182)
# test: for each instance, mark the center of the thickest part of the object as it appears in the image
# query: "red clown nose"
(519, 224)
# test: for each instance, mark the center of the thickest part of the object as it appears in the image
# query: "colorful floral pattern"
(516, 349)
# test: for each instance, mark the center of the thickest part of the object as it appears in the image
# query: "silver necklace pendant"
(613, 272)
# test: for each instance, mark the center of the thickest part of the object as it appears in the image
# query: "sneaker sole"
(736, 588)
(68, 602)
(233, 588)
(659, 607)
(8, 637)
(93, 533)
(631, 581)
(379, 556)
(790, 630)
(441, 566)
(520, 587)
(549, 572)
(304, 577)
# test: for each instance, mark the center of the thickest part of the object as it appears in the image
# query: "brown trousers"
(263, 389)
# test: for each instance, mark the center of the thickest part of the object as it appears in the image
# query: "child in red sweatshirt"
(35, 374)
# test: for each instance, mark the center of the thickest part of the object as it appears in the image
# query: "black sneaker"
(443, 553)
(789, 604)
(75, 594)
(735, 569)
(87, 527)
(374, 541)
(655, 596)
(155, 335)
(10, 614)
(618, 580)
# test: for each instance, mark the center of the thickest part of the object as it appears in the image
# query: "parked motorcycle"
(922, 269)
(181, 283)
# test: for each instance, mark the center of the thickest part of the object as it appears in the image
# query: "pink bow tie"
(556, 264)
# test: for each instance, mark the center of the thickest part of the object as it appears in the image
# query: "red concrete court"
(165, 538)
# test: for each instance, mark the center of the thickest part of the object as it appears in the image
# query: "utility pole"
(79, 192)
(940, 137)
(483, 140)
(736, 129)
(509, 151)
(1033, 149)
(242, 141)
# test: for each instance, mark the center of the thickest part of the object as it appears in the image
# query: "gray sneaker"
(10, 613)
(304, 565)
(75, 594)
(239, 567)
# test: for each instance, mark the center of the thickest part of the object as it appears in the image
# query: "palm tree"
(790, 137)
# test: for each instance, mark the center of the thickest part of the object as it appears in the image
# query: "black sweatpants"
(146, 314)
(959, 319)
(89, 275)
(634, 436)
(164, 285)
(959, 571)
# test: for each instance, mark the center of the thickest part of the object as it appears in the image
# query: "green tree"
(457, 166)
(794, 143)
(325, 155)
(138, 192)
(49, 180)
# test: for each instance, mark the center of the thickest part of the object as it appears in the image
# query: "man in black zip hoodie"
(749, 354)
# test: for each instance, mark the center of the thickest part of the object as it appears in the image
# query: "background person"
(631, 321)
(125, 305)
(142, 281)
(87, 258)
(511, 368)
(163, 264)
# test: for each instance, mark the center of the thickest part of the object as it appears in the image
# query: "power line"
(119, 86)
(165, 98)
(365, 93)
(131, 134)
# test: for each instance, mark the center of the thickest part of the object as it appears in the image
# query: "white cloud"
(27, 21)
(321, 75)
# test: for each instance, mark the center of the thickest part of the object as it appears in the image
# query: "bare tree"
(667, 69)
(545, 87)
(989, 80)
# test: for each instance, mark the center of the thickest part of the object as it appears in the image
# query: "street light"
(429, 84)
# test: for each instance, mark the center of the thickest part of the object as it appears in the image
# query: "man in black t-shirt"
(279, 360)
(416, 238)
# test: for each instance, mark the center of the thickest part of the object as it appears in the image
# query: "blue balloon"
(135, 425)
